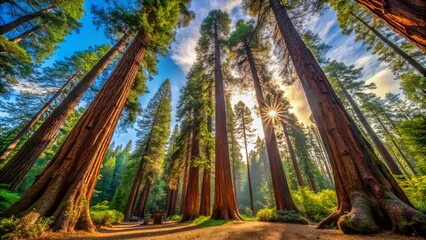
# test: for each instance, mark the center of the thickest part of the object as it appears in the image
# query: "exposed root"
(331, 220)
(360, 219)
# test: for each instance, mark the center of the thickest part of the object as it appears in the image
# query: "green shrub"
(315, 206)
(15, 228)
(102, 215)
(175, 217)
(415, 189)
(7, 198)
(272, 215)
(205, 221)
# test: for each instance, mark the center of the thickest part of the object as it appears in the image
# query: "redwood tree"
(369, 198)
(214, 28)
(67, 183)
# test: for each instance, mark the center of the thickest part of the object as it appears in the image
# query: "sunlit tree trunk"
(21, 20)
(408, 18)
(225, 205)
(141, 207)
(66, 185)
(12, 144)
(293, 157)
(390, 162)
(369, 198)
(25, 34)
(18, 166)
(415, 64)
(283, 200)
(174, 200)
(128, 209)
(205, 209)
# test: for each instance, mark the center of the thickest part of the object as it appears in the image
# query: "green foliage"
(7, 198)
(272, 215)
(315, 206)
(414, 86)
(414, 135)
(205, 221)
(14, 228)
(101, 214)
(175, 217)
(415, 189)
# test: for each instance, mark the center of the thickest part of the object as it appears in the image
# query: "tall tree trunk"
(405, 17)
(140, 209)
(324, 157)
(397, 147)
(128, 209)
(25, 34)
(225, 205)
(390, 162)
(283, 200)
(415, 64)
(21, 20)
(293, 157)
(174, 200)
(248, 163)
(66, 185)
(234, 168)
(205, 209)
(168, 201)
(364, 186)
(185, 176)
(18, 166)
(12, 144)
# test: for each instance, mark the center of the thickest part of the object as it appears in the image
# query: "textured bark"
(12, 144)
(21, 20)
(293, 157)
(18, 166)
(234, 168)
(283, 200)
(185, 177)
(369, 198)
(128, 209)
(248, 163)
(25, 34)
(141, 207)
(416, 65)
(225, 205)
(413, 171)
(390, 162)
(65, 187)
(408, 18)
(174, 201)
(205, 208)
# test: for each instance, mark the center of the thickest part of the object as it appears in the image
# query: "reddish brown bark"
(25, 34)
(205, 208)
(12, 144)
(368, 196)
(390, 162)
(408, 18)
(224, 205)
(65, 187)
(185, 176)
(141, 207)
(128, 209)
(18, 166)
(174, 200)
(293, 157)
(21, 20)
(283, 200)
(415, 64)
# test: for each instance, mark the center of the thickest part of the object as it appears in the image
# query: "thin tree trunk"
(293, 157)
(12, 144)
(390, 162)
(25, 34)
(66, 185)
(225, 205)
(405, 17)
(248, 163)
(283, 200)
(205, 209)
(18, 166)
(397, 147)
(128, 209)
(143, 199)
(234, 172)
(174, 200)
(324, 157)
(185, 176)
(364, 186)
(168, 201)
(415, 64)
(21, 20)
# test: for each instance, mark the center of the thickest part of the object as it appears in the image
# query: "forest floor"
(249, 230)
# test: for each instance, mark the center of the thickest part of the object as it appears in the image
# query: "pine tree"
(81, 155)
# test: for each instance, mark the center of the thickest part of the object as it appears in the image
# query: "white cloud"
(385, 83)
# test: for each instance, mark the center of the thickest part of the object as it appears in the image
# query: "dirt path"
(232, 230)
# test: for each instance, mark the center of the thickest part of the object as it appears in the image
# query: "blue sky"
(175, 65)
